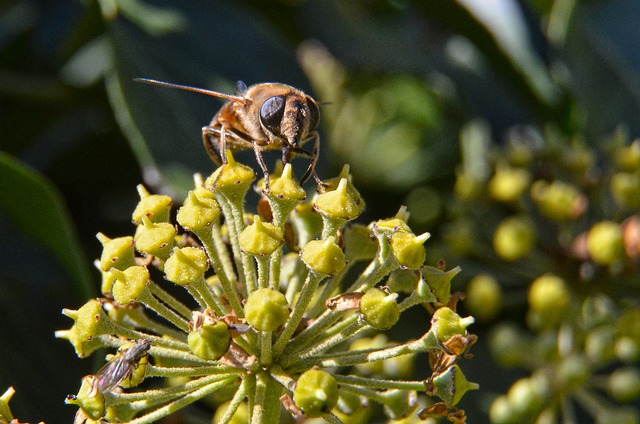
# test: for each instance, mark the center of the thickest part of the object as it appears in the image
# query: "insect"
(114, 372)
(265, 116)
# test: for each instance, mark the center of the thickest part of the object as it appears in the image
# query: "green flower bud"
(88, 399)
(260, 238)
(5, 411)
(339, 203)
(306, 222)
(483, 297)
(155, 238)
(445, 323)
(527, 395)
(199, 211)
(625, 189)
(623, 384)
(627, 350)
(549, 300)
(324, 256)
(377, 342)
(186, 265)
(514, 238)
(572, 373)
(130, 284)
(559, 201)
(408, 249)
(241, 416)
(403, 281)
(379, 309)
(266, 309)
(287, 187)
(359, 243)
(209, 339)
(451, 385)
(316, 393)
(508, 184)
(156, 207)
(391, 225)
(599, 345)
(508, 345)
(399, 404)
(439, 282)
(501, 412)
(605, 243)
(628, 157)
(233, 179)
(116, 253)
(90, 322)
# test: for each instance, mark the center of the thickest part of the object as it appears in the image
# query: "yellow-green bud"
(155, 239)
(260, 238)
(116, 253)
(266, 309)
(451, 385)
(199, 211)
(186, 265)
(549, 299)
(379, 309)
(527, 395)
(156, 207)
(625, 189)
(129, 284)
(88, 399)
(90, 322)
(573, 372)
(339, 203)
(324, 256)
(628, 157)
(445, 323)
(559, 201)
(605, 243)
(483, 297)
(514, 238)
(5, 411)
(508, 184)
(241, 416)
(233, 179)
(209, 339)
(624, 384)
(408, 249)
(359, 243)
(316, 393)
(397, 223)
(439, 282)
(286, 187)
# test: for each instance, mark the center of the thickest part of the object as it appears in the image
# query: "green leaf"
(37, 209)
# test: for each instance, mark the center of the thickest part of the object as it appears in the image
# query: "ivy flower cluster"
(556, 223)
(284, 313)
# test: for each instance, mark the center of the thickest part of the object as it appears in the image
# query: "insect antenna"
(231, 97)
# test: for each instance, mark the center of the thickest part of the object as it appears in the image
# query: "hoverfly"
(114, 372)
(265, 116)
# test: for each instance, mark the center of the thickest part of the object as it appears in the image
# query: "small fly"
(114, 372)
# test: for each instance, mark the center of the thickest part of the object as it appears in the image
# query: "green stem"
(158, 307)
(221, 263)
(207, 296)
(237, 399)
(266, 340)
(170, 301)
(377, 383)
(155, 371)
(181, 402)
(263, 271)
(276, 264)
(134, 335)
(306, 295)
(257, 417)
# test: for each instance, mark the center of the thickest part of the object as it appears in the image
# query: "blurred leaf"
(164, 125)
(35, 207)
(604, 61)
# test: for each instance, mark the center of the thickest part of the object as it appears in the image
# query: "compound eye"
(271, 113)
(314, 117)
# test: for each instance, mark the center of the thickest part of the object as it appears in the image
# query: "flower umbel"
(279, 317)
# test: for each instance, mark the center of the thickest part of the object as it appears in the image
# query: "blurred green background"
(398, 79)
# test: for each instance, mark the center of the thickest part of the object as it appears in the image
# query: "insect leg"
(258, 151)
(212, 137)
(311, 170)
